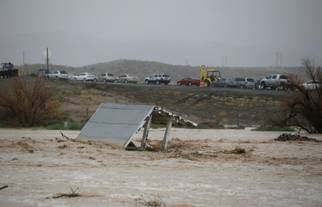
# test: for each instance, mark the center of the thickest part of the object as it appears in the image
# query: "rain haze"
(211, 32)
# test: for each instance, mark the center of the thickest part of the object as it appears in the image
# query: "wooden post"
(167, 135)
(146, 131)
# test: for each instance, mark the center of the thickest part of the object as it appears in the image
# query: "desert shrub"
(94, 85)
(304, 109)
(28, 102)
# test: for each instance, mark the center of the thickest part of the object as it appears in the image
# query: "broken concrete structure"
(118, 123)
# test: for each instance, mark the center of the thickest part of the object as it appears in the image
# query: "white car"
(243, 82)
(107, 77)
(85, 77)
(157, 79)
(58, 74)
(126, 78)
(312, 85)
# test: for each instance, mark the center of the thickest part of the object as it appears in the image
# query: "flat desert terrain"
(202, 168)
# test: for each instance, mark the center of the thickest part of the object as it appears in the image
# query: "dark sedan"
(188, 82)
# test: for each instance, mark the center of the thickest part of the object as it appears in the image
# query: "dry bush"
(28, 102)
(74, 192)
(294, 137)
(305, 108)
(155, 202)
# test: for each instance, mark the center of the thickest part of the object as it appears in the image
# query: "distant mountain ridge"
(142, 69)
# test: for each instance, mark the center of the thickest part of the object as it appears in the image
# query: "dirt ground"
(202, 168)
(210, 107)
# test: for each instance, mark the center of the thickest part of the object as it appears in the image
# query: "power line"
(278, 59)
(23, 57)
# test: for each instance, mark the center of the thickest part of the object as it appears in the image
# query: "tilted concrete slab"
(116, 123)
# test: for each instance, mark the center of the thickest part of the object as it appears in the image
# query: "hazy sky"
(211, 32)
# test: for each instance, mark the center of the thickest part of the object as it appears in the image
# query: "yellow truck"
(208, 76)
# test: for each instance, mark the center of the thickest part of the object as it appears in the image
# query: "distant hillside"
(33, 68)
(146, 68)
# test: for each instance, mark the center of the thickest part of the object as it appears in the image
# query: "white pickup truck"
(275, 81)
(58, 74)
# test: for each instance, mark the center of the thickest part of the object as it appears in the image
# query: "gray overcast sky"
(80, 32)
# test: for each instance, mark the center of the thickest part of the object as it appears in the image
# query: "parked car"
(158, 79)
(71, 76)
(107, 77)
(85, 77)
(43, 73)
(188, 82)
(224, 82)
(229, 82)
(239, 82)
(249, 83)
(312, 85)
(275, 81)
(58, 74)
(242, 82)
(126, 78)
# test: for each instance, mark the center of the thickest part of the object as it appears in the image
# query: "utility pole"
(47, 59)
(23, 57)
(279, 59)
(276, 59)
(224, 61)
(23, 62)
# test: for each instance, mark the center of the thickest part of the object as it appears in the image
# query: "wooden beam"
(146, 131)
(167, 135)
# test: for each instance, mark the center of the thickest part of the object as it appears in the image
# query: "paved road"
(219, 90)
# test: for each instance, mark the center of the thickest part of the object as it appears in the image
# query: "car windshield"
(63, 72)
(250, 80)
(283, 77)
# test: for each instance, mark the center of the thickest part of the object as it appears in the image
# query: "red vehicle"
(188, 82)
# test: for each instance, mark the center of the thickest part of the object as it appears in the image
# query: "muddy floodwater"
(201, 168)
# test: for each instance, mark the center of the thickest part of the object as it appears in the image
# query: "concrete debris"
(118, 123)
(294, 137)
